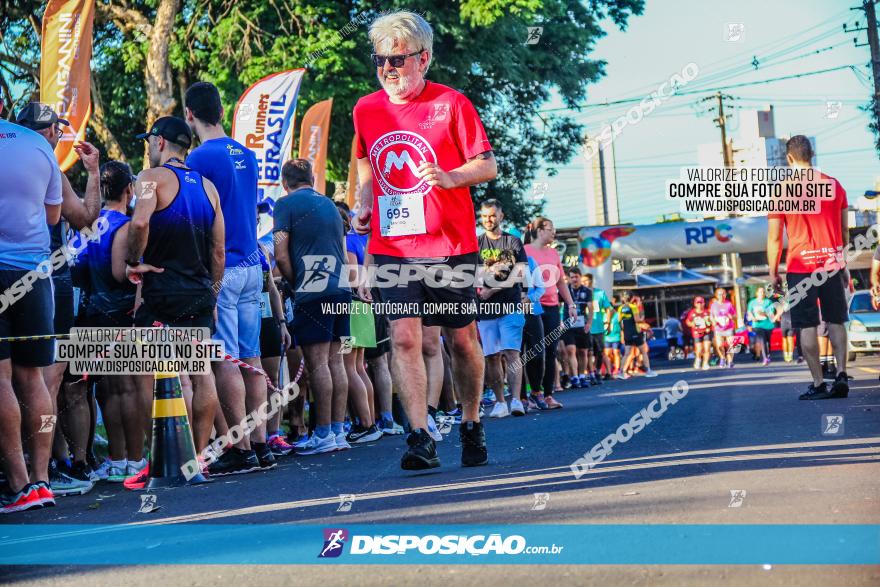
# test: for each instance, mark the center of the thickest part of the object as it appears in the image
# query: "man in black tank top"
(176, 249)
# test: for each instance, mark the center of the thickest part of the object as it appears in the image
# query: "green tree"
(147, 52)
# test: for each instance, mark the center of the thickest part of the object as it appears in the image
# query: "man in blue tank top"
(233, 169)
(178, 229)
(111, 300)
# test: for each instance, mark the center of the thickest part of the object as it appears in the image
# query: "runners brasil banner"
(263, 121)
(313, 136)
(65, 80)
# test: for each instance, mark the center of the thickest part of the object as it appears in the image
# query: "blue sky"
(670, 35)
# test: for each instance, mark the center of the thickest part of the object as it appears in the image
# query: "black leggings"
(551, 320)
(533, 333)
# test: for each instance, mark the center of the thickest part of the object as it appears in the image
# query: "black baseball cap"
(37, 116)
(171, 128)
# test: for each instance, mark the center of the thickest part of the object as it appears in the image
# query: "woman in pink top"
(541, 234)
(724, 323)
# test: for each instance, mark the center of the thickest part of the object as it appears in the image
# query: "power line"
(624, 161)
(823, 25)
(767, 61)
(710, 90)
(789, 101)
(846, 151)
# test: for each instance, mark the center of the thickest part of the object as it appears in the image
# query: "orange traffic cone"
(173, 445)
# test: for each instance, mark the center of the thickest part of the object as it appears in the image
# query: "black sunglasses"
(394, 60)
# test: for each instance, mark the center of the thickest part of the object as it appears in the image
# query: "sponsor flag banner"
(313, 137)
(65, 80)
(263, 121)
(351, 192)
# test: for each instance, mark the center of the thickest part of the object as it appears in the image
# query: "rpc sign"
(704, 234)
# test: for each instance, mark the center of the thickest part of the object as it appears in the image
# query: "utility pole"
(871, 16)
(731, 260)
(721, 121)
(868, 7)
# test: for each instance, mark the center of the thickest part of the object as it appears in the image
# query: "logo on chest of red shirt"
(395, 158)
(439, 114)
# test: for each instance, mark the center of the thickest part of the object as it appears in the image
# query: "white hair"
(405, 27)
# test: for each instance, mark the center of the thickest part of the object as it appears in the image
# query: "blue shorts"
(502, 334)
(612, 344)
(238, 311)
(316, 322)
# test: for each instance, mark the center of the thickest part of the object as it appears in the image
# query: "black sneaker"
(80, 470)
(421, 452)
(63, 484)
(357, 430)
(840, 387)
(473, 444)
(814, 392)
(235, 461)
(264, 455)
(359, 434)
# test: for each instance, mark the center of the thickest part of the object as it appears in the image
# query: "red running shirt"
(440, 126)
(700, 320)
(814, 238)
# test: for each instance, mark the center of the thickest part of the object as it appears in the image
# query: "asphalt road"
(739, 430)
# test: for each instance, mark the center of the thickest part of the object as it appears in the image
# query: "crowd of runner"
(177, 246)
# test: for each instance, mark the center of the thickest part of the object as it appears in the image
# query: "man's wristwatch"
(131, 263)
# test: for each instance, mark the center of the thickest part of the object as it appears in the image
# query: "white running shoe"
(697, 364)
(341, 441)
(135, 467)
(444, 423)
(317, 445)
(102, 472)
(302, 442)
(432, 429)
(650, 373)
(499, 410)
(516, 408)
(391, 428)
(118, 471)
(706, 366)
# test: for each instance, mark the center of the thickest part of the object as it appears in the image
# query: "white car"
(863, 328)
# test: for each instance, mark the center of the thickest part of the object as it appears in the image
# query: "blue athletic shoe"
(539, 401)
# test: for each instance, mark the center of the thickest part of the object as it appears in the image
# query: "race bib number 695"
(401, 215)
